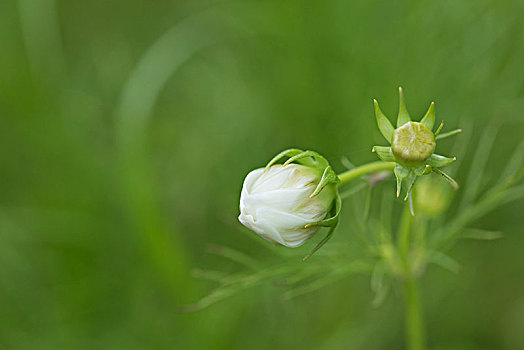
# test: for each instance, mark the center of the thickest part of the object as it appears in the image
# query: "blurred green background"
(127, 128)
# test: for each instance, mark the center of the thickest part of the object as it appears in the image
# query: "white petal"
(285, 199)
(278, 177)
(261, 227)
(251, 178)
(290, 227)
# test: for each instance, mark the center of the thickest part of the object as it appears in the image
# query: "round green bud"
(412, 143)
(432, 196)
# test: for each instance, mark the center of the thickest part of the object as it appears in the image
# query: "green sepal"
(287, 153)
(330, 222)
(429, 118)
(320, 244)
(307, 158)
(383, 123)
(400, 173)
(311, 159)
(403, 115)
(411, 178)
(318, 161)
(454, 184)
(423, 170)
(438, 161)
(328, 177)
(384, 153)
(448, 134)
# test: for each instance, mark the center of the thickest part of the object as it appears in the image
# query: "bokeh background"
(127, 128)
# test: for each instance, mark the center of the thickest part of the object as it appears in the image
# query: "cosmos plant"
(286, 204)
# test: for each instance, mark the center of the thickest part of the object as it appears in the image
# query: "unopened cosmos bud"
(286, 204)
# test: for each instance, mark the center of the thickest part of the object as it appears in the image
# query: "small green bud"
(412, 146)
(413, 143)
(432, 196)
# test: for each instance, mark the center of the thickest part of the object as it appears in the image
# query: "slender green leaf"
(337, 273)
(379, 285)
(474, 233)
(444, 261)
(210, 275)
(476, 171)
(448, 134)
(347, 163)
(234, 255)
(515, 163)
(353, 190)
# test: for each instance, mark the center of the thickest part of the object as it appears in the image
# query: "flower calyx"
(412, 145)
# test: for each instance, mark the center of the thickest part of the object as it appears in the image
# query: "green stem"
(414, 324)
(404, 237)
(365, 169)
(414, 329)
(413, 313)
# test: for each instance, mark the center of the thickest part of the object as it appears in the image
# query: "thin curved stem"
(365, 169)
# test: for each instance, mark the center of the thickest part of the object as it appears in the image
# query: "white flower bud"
(276, 204)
